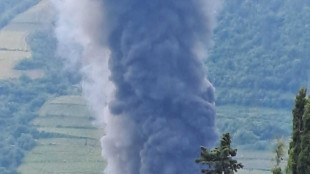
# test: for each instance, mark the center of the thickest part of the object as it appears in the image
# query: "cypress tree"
(295, 144)
(303, 163)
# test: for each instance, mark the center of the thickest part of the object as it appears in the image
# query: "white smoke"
(77, 33)
(79, 45)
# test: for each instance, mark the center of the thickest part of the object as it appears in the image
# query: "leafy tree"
(298, 113)
(279, 154)
(220, 160)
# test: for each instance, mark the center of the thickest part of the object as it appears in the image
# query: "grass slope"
(255, 162)
(68, 116)
(253, 127)
(75, 150)
(253, 130)
(13, 40)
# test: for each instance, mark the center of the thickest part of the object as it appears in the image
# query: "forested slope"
(262, 52)
(260, 58)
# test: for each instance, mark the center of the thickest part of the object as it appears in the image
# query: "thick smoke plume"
(144, 77)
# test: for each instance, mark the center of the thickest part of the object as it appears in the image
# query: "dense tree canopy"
(261, 52)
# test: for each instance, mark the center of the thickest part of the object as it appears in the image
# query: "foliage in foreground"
(298, 112)
(299, 161)
(220, 160)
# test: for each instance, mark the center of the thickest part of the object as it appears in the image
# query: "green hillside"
(73, 143)
(253, 128)
(61, 136)
(261, 52)
(26, 85)
(259, 61)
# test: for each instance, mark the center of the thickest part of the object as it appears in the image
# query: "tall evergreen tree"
(295, 145)
(220, 160)
(303, 163)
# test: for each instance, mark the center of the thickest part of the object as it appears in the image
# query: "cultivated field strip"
(74, 148)
(13, 39)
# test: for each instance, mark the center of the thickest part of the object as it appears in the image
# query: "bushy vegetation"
(279, 156)
(10, 8)
(21, 98)
(261, 52)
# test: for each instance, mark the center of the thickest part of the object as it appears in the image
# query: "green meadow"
(73, 146)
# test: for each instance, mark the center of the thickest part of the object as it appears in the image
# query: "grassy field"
(236, 119)
(78, 152)
(13, 40)
(8, 60)
(258, 162)
(253, 127)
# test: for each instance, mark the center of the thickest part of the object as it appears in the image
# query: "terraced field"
(75, 148)
(78, 150)
(13, 40)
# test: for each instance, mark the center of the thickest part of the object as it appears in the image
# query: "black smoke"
(160, 82)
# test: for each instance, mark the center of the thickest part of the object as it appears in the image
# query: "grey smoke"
(144, 77)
